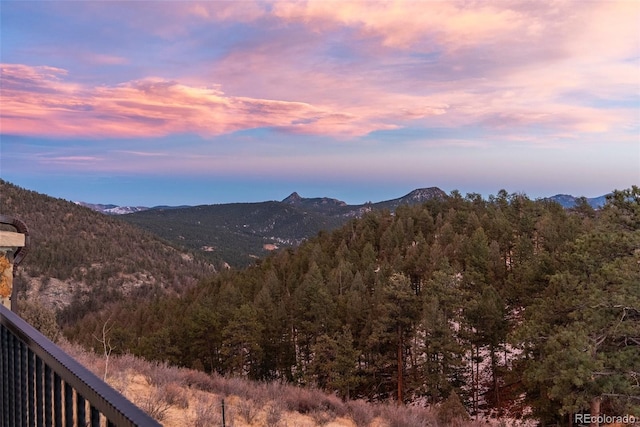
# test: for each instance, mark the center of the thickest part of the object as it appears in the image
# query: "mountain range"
(235, 234)
(567, 201)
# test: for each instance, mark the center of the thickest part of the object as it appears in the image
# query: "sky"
(177, 102)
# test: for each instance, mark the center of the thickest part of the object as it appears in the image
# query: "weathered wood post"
(13, 246)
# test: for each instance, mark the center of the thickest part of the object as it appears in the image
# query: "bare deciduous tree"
(105, 340)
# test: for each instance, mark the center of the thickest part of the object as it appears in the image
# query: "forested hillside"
(514, 305)
(81, 259)
(235, 234)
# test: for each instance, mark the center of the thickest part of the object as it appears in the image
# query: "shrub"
(175, 395)
(307, 401)
(248, 410)
(154, 405)
(161, 373)
(407, 416)
(361, 412)
(200, 381)
(41, 318)
(452, 411)
(321, 417)
(206, 414)
(298, 399)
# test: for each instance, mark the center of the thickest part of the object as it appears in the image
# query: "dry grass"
(273, 415)
(178, 397)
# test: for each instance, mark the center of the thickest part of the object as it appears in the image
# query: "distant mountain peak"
(293, 198)
(424, 194)
(568, 201)
(112, 209)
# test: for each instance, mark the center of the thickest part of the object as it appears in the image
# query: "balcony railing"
(41, 385)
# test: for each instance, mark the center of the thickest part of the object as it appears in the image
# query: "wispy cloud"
(104, 59)
(142, 153)
(69, 160)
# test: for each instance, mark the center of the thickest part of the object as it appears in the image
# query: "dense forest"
(517, 306)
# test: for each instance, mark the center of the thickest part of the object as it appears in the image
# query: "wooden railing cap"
(11, 239)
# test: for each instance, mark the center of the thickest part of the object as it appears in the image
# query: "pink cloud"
(103, 59)
(495, 64)
(39, 103)
(608, 27)
(403, 23)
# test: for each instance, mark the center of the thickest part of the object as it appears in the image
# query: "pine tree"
(240, 349)
(443, 353)
(395, 316)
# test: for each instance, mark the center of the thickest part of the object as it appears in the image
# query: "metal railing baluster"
(31, 373)
(39, 393)
(57, 400)
(68, 405)
(95, 416)
(4, 378)
(24, 385)
(12, 382)
(48, 389)
(81, 410)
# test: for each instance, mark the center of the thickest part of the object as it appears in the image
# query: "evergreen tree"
(241, 351)
(314, 314)
(396, 314)
(443, 352)
(333, 367)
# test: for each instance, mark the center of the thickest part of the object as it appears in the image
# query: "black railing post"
(223, 421)
(33, 371)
